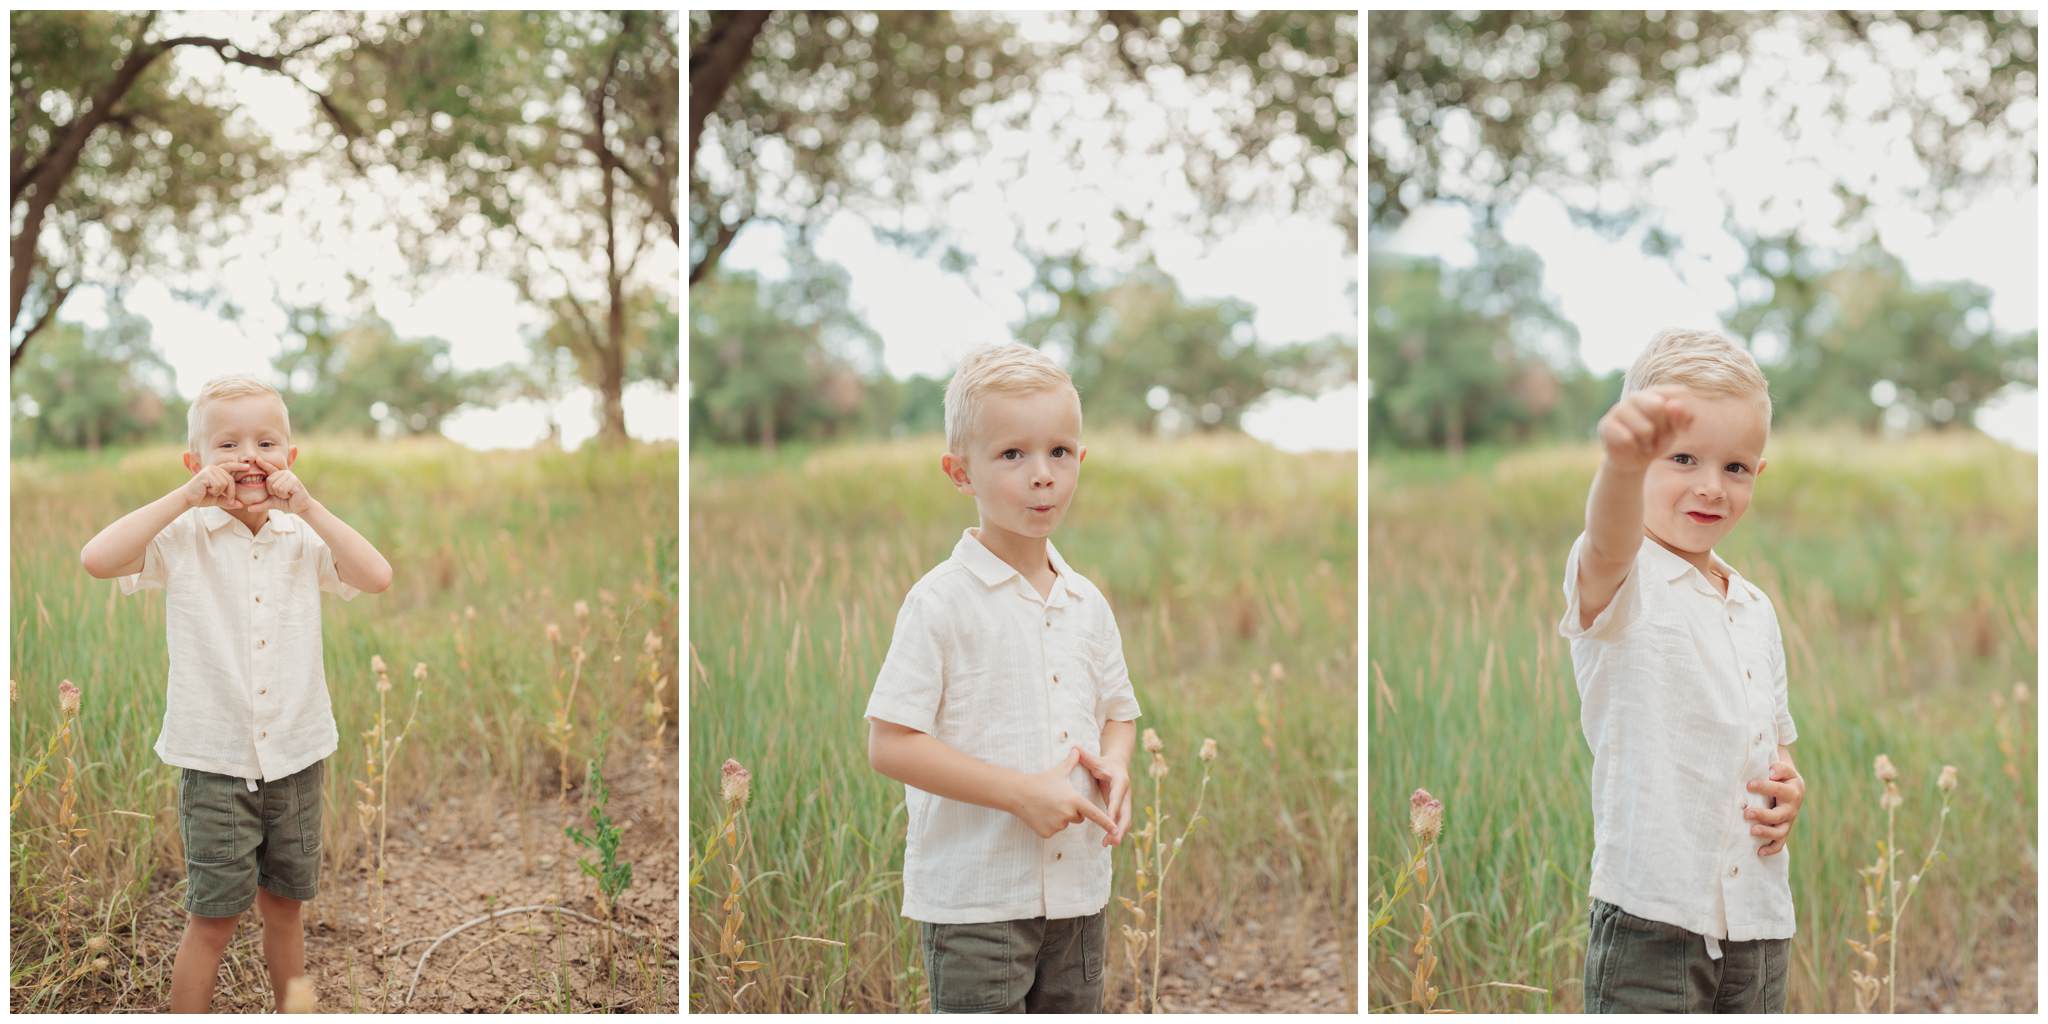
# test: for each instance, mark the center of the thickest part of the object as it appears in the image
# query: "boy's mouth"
(1704, 517)
(253, 480)
(1040, 508)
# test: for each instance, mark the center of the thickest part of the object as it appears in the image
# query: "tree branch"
(715, 61)
(726, 233)
(49, 311)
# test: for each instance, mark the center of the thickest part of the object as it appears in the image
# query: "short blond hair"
(233, 385)
(1707, 362)
(997, 369)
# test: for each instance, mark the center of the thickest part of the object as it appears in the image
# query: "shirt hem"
(1744, 931)
(1008, 912)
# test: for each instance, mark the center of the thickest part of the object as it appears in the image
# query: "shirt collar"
(1671, 568)
(213, 517)
(991, 570)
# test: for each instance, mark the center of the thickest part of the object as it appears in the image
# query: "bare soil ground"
(451, 863)
(1305, 965)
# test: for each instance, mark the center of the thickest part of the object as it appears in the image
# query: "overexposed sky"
(306, 252)
(1617, 297)
(1294, 270)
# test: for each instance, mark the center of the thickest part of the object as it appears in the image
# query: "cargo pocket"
(306, 808)
(968, 966)
(206, 818)
(1094, 936)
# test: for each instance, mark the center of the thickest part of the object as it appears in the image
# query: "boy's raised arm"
(1632, 434)
(118, 550)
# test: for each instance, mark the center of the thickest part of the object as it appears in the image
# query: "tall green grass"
(1221, 558)
(1904, 578)
(486, 550)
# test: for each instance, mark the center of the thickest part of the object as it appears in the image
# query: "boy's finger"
(1781, 770)
(1094, 814)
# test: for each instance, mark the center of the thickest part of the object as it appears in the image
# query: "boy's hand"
(1047, 802)
(214, 486)
(1115, 782)
(1787, 791)
(1639, 426)
(286, 492)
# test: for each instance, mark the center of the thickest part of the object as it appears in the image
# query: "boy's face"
(239, 430)
(1699, 486)
(1023, 461)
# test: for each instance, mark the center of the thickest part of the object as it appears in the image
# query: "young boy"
(1004, 692)
(242, 551)
(1681, 676)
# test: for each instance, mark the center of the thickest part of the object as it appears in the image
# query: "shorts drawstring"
(252, 784)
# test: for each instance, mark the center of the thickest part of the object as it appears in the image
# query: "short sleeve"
(1788, 733)
(156, 559)
(330, 577)
(1113, 677)
(1620, 611)
(912, 680)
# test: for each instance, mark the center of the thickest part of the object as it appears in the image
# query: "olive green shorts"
(236, 840)
(1636, 965)
(1027, 966)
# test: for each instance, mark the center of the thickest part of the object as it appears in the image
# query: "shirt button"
(1057, 856)
(261, 692)
(1063, 734)
(259, 600)
(262, 735)
(1048, 623)
(1732, 872)
(261, 643)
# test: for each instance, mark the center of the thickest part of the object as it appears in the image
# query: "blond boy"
(1005, 708)
(242, 551)
(1681, 675)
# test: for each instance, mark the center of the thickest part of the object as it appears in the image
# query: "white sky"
(1617, 297)
(1293, 269)
(305, 252)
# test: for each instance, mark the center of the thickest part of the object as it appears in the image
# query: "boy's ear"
(955, 469)
(191, 462)
(1761, 465)
(1081, 454)
(291, 456)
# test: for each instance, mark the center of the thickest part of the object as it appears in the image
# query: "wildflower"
(1884, 769)
(2019, 693)
(419, 671)
(650, 646)
(469, 612)
(100, 964)
(67, 698)
(582, 610)
(735, 780)
(97, 944)
(606, 597)
(1892, 798)
(1948, 778)
(1152, 744)
(576, 653)
(377, 664)
(1425, 816)
(1158, 769)
(1277, 671)
(1208, 750)
(554, 633)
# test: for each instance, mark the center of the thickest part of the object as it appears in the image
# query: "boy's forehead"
(1051, 409)
(1728, 422)
(244, 411)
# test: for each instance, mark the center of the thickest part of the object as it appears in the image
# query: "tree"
(107, 160)
(770, 362)
(553, 136)
(1859, 337)
(361, 378)
(1480, 107)
(796, 115)
(86, 389)
(1140, 353)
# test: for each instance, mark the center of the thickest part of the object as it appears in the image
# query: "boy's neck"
(1024, 554)
(1703, 561)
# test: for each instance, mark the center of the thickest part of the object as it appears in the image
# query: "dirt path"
(1290, 966)
(448, 868)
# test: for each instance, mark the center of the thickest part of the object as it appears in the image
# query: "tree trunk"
(715, 61)
(611, 354)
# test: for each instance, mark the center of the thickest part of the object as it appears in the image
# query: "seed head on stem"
(68, 698)
(1885, 771)
(735, 782)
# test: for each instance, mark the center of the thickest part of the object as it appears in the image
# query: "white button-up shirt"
(248, 693)
(1683, 702)
(990, 668)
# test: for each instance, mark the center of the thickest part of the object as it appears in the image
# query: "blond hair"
(233, 385)
(1707, 362)
(997, 369)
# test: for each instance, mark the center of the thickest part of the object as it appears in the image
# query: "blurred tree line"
(796, 116)
(1478, 108)
(546, 142)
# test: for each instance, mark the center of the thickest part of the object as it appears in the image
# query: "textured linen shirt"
(990, 668)
(1682, 698)
(248, 692)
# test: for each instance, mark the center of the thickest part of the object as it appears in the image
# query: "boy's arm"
(1046, 801)
(118, 550)
(356, 560)
(1786, 789)
(1632, 434)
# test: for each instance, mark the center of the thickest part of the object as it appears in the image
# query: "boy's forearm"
(1118, 740)
(922, 760)
(126, 538)
(356, 560)
(1614, 514)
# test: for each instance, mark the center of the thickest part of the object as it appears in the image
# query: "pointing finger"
(1096, 815)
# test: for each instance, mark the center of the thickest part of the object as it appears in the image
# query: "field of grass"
(1233, 573)
(487, 550)
(1904, 578)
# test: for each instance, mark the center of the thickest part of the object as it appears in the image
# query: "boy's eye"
(1682, 456)
(1738, 467)
(1060, 451)
(1012, 451)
